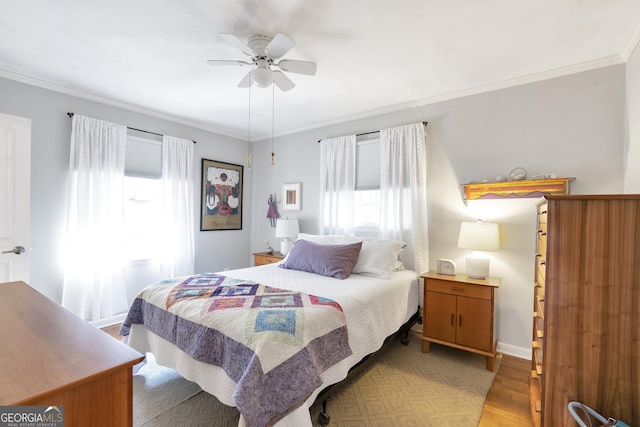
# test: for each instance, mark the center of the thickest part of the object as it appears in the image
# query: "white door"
(15, 170)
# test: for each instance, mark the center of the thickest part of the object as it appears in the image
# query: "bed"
(196, 326)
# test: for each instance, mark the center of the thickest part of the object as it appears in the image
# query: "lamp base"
(477, 268)
(285, 246)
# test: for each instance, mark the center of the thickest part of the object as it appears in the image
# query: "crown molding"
(523, 80)
(113, 103)
(631, 45)
(504, 84)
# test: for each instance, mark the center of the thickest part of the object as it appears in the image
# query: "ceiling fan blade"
(300, 67)
(246, 80)
(227, 62)
(282, 81)
(280, 45)
(233, 40)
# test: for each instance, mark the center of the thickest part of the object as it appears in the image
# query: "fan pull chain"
(249, 134)
(273, 103)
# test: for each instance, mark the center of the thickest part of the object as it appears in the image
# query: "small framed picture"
(292, 196)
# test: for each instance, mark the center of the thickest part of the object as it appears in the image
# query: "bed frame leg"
(405, 338)
(323, 418)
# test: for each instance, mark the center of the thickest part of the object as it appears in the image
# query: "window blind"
(368, 164)
(143, 158)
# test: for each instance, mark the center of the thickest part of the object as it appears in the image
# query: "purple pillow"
(327, 260)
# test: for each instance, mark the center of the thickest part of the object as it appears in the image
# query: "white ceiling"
(373, 56)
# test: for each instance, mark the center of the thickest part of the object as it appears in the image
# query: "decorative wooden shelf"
(533, 188)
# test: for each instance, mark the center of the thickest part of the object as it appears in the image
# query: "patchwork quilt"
(274, 343)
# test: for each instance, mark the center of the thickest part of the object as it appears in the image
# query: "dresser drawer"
(541, 270)
(542, 243)
(461, 289)
(542, 214)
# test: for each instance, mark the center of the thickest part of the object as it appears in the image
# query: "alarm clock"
(446, 266)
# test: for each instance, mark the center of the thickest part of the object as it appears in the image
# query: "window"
(142, 198)
(141, 218)
(367, 191)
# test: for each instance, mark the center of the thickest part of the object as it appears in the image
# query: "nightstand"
(459, 312)
(262, 258)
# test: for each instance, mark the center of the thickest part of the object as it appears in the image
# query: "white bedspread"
(374, 309)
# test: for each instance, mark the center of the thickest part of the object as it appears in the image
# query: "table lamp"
(479, 236)
(287, 228)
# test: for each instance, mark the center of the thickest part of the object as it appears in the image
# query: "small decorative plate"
(518, 174)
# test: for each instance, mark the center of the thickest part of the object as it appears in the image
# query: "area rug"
(402, 387)
(156, 390)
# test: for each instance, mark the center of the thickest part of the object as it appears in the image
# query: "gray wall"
(632, 136)
(50, 137)
(572, 126)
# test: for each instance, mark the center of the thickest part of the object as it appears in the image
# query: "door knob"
(17, 250)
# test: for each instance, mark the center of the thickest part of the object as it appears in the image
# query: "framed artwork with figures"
(221, 196)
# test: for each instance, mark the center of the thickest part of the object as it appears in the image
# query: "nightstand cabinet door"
(440, 316)
(475, 323)
(460, 320)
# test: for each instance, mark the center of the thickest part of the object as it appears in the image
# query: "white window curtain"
(94, 286)
(178, 257)
(337, 184)
(403, 186)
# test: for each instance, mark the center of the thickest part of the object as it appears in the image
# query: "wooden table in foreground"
(50, 357)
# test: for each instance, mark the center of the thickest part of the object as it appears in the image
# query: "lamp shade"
(287, 228)
(479, 236)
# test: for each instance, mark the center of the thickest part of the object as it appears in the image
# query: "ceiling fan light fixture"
(264, 50)
(262, 77)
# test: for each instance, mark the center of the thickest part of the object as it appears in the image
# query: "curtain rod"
(139, 130)
(373, 131)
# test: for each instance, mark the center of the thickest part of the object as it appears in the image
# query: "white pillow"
(329, 239)
(399, 266)
(378, 257)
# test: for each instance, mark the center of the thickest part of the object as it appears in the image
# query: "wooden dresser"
(50, 357)
(586, 316)
(459, 312)
(262, 258)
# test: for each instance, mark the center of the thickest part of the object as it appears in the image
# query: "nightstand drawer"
(267, 258)
(461, 289)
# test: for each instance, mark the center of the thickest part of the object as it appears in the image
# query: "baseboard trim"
(515, 351)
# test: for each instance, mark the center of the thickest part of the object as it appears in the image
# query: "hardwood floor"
(113, 330)
(507, 403)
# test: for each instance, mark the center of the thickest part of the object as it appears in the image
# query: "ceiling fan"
(264, 51)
